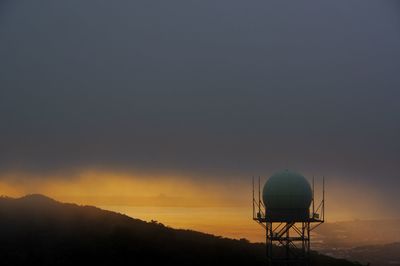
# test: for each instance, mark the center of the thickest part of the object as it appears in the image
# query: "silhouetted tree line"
(36, 230)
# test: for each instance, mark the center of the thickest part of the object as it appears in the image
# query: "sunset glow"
(185, 133)
(178, 201)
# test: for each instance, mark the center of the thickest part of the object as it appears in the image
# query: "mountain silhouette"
(37, 230)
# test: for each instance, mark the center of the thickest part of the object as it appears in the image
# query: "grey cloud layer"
(208, 87)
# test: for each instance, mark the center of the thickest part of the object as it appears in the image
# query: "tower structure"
(288, 213)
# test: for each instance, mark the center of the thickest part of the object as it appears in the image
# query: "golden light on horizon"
(221, 208)
(177, 201)
(92, 186)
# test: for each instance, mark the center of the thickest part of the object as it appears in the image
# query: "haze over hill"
(206, 92)
(350, 234)
(371, 241)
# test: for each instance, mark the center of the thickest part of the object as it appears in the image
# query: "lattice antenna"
(288, 224)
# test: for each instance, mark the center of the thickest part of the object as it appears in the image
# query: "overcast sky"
(211, 88)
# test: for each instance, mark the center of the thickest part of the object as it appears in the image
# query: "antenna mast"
(259, 195)
(253, 196)
(288, 238)
(323, 198)
(313, 203)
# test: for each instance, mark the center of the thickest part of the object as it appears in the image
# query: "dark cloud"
(206, 87)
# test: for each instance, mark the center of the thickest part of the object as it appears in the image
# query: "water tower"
(287, 212)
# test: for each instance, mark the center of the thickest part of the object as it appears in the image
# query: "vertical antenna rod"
(259, 198)
(253, 196)
(323, 198)
(313, 198)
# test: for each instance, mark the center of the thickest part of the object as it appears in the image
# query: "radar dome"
(287, 196)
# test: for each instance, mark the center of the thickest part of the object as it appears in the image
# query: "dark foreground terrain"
(36, 230)
(376, 255)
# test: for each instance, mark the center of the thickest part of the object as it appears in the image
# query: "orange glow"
(221, 208)
(179, 202)
(110, 188)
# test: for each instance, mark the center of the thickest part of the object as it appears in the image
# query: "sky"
(201, 95)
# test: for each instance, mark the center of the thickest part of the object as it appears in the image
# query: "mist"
(207, 91)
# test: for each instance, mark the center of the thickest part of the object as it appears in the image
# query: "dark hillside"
(36, 230)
